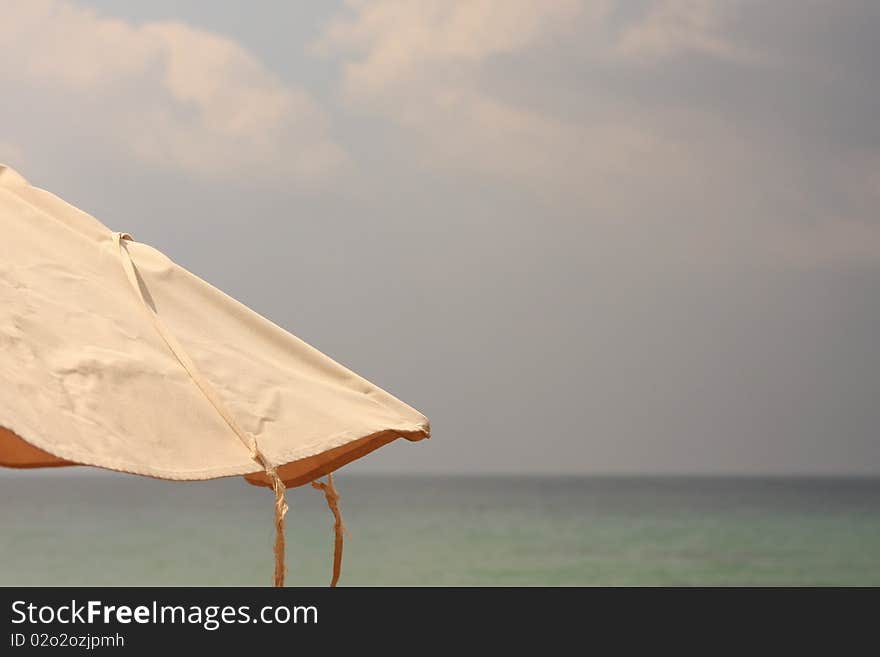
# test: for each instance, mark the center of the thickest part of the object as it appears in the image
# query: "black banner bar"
(113, 619)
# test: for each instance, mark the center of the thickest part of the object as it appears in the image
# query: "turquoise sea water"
(69, 529)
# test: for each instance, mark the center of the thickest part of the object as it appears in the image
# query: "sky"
(581, 237)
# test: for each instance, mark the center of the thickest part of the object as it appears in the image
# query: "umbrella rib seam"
(214, 399)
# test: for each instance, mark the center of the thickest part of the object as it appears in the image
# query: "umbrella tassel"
(280, 512)
(332, 496)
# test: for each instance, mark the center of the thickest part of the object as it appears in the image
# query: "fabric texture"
(87, 378)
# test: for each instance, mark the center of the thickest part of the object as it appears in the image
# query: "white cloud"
(419, 63)
(423, 64)
(399, 39)
(693, 173)
(674, 27)
(177, 97)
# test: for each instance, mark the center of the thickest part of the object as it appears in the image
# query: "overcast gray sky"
(579, 236)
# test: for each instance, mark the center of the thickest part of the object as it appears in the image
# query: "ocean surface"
(76, 529)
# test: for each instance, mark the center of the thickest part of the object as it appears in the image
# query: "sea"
(66, 527)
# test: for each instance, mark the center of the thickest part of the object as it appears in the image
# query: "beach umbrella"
(112, 355)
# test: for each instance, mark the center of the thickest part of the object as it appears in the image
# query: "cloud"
(680, 119)
(174, 96)
(427, 66)
(680, 27)
(421, 65)
(399, 39)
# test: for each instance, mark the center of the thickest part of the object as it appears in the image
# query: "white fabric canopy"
(88, 378)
